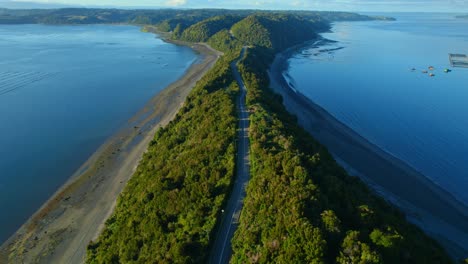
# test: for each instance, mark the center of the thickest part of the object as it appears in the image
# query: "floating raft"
(458, 60)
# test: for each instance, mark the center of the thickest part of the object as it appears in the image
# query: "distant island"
(462, 17)
(300, 205)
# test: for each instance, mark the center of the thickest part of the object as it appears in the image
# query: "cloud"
(176, 2)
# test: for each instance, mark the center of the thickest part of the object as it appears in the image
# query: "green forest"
(300, 207)
(202, 31)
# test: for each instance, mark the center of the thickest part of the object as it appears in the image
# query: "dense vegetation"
(202, 31)
(225, 42)
(169, 208)
(257, 30)
(301, 207)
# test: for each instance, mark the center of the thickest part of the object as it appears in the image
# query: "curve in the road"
(221, 251)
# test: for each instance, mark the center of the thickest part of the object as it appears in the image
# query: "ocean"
(63, 91)
(373, 76)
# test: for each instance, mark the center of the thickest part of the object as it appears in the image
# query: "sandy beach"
(426, 204)
(61, 229)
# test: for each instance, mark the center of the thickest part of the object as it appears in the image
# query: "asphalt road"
(221, 251)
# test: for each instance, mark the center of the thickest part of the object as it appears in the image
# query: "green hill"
(202, 31)
(277, 31)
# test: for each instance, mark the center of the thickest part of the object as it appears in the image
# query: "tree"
(356, 252)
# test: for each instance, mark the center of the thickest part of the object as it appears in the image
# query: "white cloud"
(176, 2)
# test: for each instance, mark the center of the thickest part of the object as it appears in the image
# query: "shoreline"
(60, 230)
(429, 206)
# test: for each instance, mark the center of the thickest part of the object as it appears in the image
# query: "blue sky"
(342, 5)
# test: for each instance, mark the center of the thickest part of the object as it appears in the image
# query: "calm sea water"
(365, 81)
(63, 91)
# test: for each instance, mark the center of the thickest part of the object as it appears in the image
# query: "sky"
(333, 5)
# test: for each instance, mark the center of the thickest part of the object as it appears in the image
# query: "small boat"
(447, 70)
(431, 68)
(413, 69)
(431, 75)
(424, 71)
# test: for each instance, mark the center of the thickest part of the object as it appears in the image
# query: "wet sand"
(61, 229)
(426, 204)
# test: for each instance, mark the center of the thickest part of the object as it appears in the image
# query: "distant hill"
(171, 18)
(462, 17)
(165, 19)
(341, 16)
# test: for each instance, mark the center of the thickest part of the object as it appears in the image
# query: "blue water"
(63, 91)
(368, 85)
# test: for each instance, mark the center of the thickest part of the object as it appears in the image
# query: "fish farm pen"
(458, 60)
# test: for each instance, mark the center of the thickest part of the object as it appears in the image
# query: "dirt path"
(62, 228)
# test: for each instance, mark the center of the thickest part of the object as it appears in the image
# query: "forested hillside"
(258, 30)
(202, 31)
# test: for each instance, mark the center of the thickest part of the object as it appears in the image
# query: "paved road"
(221, 252)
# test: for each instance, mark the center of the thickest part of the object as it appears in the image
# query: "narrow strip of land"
(222, 249)
(61, 229)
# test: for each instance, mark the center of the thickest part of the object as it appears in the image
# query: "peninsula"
(174, 183)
